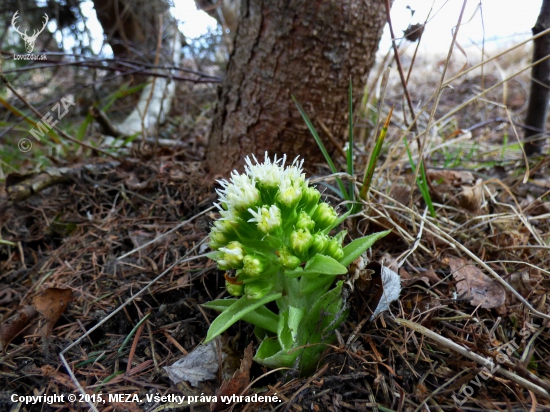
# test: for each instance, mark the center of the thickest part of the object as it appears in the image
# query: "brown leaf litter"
(473, 285)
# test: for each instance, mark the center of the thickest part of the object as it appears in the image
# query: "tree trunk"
(132, 30)
(302, 47)
(537, 110)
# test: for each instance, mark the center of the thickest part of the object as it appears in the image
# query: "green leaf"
(235, 312)
(319, 265)
(295, 316)
(216, 255)
(325, 265)
(421, 180)
(369, 171)
(83, 127)
(284, 333)
(310, 285)
(358, 246)
(325, 316)
(261, 317)
(271, 355)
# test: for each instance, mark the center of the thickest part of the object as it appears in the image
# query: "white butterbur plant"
(274, 241)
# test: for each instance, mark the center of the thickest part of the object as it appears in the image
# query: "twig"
(332, 139)
(107, 127)
(400, 70)
(449, 344)
(416, 241)
(140, 67)
(40, 116)
(452, 241)
(130, 300)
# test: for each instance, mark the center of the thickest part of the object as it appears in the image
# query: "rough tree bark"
(537, 109)
(283, 47)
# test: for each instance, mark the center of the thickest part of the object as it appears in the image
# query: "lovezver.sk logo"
(29, 40)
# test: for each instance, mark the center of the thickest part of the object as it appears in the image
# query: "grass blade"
(321, 146)
(374, 157)
(349, 154)
(421, 181)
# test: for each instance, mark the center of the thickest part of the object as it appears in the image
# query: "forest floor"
(104, 266)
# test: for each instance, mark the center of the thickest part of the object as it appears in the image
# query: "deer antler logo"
(29, 40)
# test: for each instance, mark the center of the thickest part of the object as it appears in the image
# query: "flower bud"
(305, 222)
(218, 237)
(334, 249)
(232, 257)
(324, 215)
(289, 193)
(267, 220)
(287, 259)
(320, 243)
(223, 225)
(235, 289)
(254, 265)
(257, 289)
(310, 197)
(300, 241)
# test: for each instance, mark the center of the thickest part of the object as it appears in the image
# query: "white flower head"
(269, 173)
(294, 172)
(239, 193)
(266, 219)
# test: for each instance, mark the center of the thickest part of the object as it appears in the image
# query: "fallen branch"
(449, 344)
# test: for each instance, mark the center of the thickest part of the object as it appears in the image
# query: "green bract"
(274, 232)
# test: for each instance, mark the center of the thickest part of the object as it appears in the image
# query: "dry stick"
(453, 111)
(37, 113)
(440, 87)
(400, 70)
(477, 96)
(496, 56)
(446, 116)
(420, 144)
(62, 353)
(406, 254)
(473, 356)
(143, 68)
(332, 139)
(418, 43)
(526, 176)
(458, 245)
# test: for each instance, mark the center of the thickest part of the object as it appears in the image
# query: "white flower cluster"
(271, 219)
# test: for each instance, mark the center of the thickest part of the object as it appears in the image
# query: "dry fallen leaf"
(52, 303)
(15, 325)
(237, 384)
(473, 284)
(200, 365)
(374, 284)
(458, 188)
